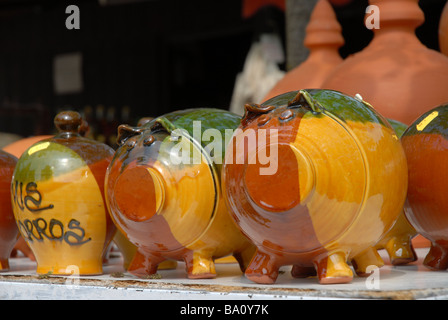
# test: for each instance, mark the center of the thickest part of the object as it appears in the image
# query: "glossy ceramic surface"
(128, 251)
(8, 227)
(339, 184)
(169, 203)
(395, 68)
(398, 240)
(426, 146)
(57, 194)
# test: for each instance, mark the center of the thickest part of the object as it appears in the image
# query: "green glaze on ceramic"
(398, 126)
(345, 107)
(434, 121)
(42, 162)
(208, 117)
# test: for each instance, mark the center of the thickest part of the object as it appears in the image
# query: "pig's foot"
(262, 268)
(333, 269)
(245, 256)
(144, 264)
(200, 266)
(366, 261)
(437, 257)
(400, 250)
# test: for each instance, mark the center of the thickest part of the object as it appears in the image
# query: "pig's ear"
(253, 110)
(125, 132)
(162, 123)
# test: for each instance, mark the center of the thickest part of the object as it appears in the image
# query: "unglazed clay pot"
(334, 184)
(163, 191)
(395, 68)
(443, 31)
(8, 228)
(425, 143)
(58, 200)
(323, 39)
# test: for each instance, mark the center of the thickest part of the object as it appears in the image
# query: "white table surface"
(411, 281)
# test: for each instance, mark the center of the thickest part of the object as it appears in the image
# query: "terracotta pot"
(8, 228)
(323, 39)
(338, 186)
(426, 146)
(443, 31)
(395, 69)
(58, 202)
(169, 203)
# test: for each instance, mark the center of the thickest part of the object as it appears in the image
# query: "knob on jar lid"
(68, 121)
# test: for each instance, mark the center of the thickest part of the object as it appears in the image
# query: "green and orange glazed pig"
(398, 240)
(58, 200)
(425, 143)
(8, 228)
(333, 184)
(164, 194)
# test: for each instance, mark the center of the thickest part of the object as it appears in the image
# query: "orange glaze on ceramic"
(339, 187)
(8, 227)
(426, 146)
(57, 195)
(171, 210)
(402, 238)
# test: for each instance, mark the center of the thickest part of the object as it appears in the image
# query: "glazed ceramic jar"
(333, 184)
(8, 228)
(323, 39)
(425, 143)
(58, 200)
(395, 69)
(163, 192)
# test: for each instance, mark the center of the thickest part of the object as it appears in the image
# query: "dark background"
(152, 56)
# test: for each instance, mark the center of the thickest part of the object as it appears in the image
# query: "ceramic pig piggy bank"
(164, 194)
(425, 143)
(8, 228)
(314, 178)
(398, 240)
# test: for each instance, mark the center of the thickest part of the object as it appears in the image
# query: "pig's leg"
(437, 257)
(263, 268)
(400, 250)
(366, 260)
(144, 263)
(245, 256)
(333, 268)
(199, 265)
